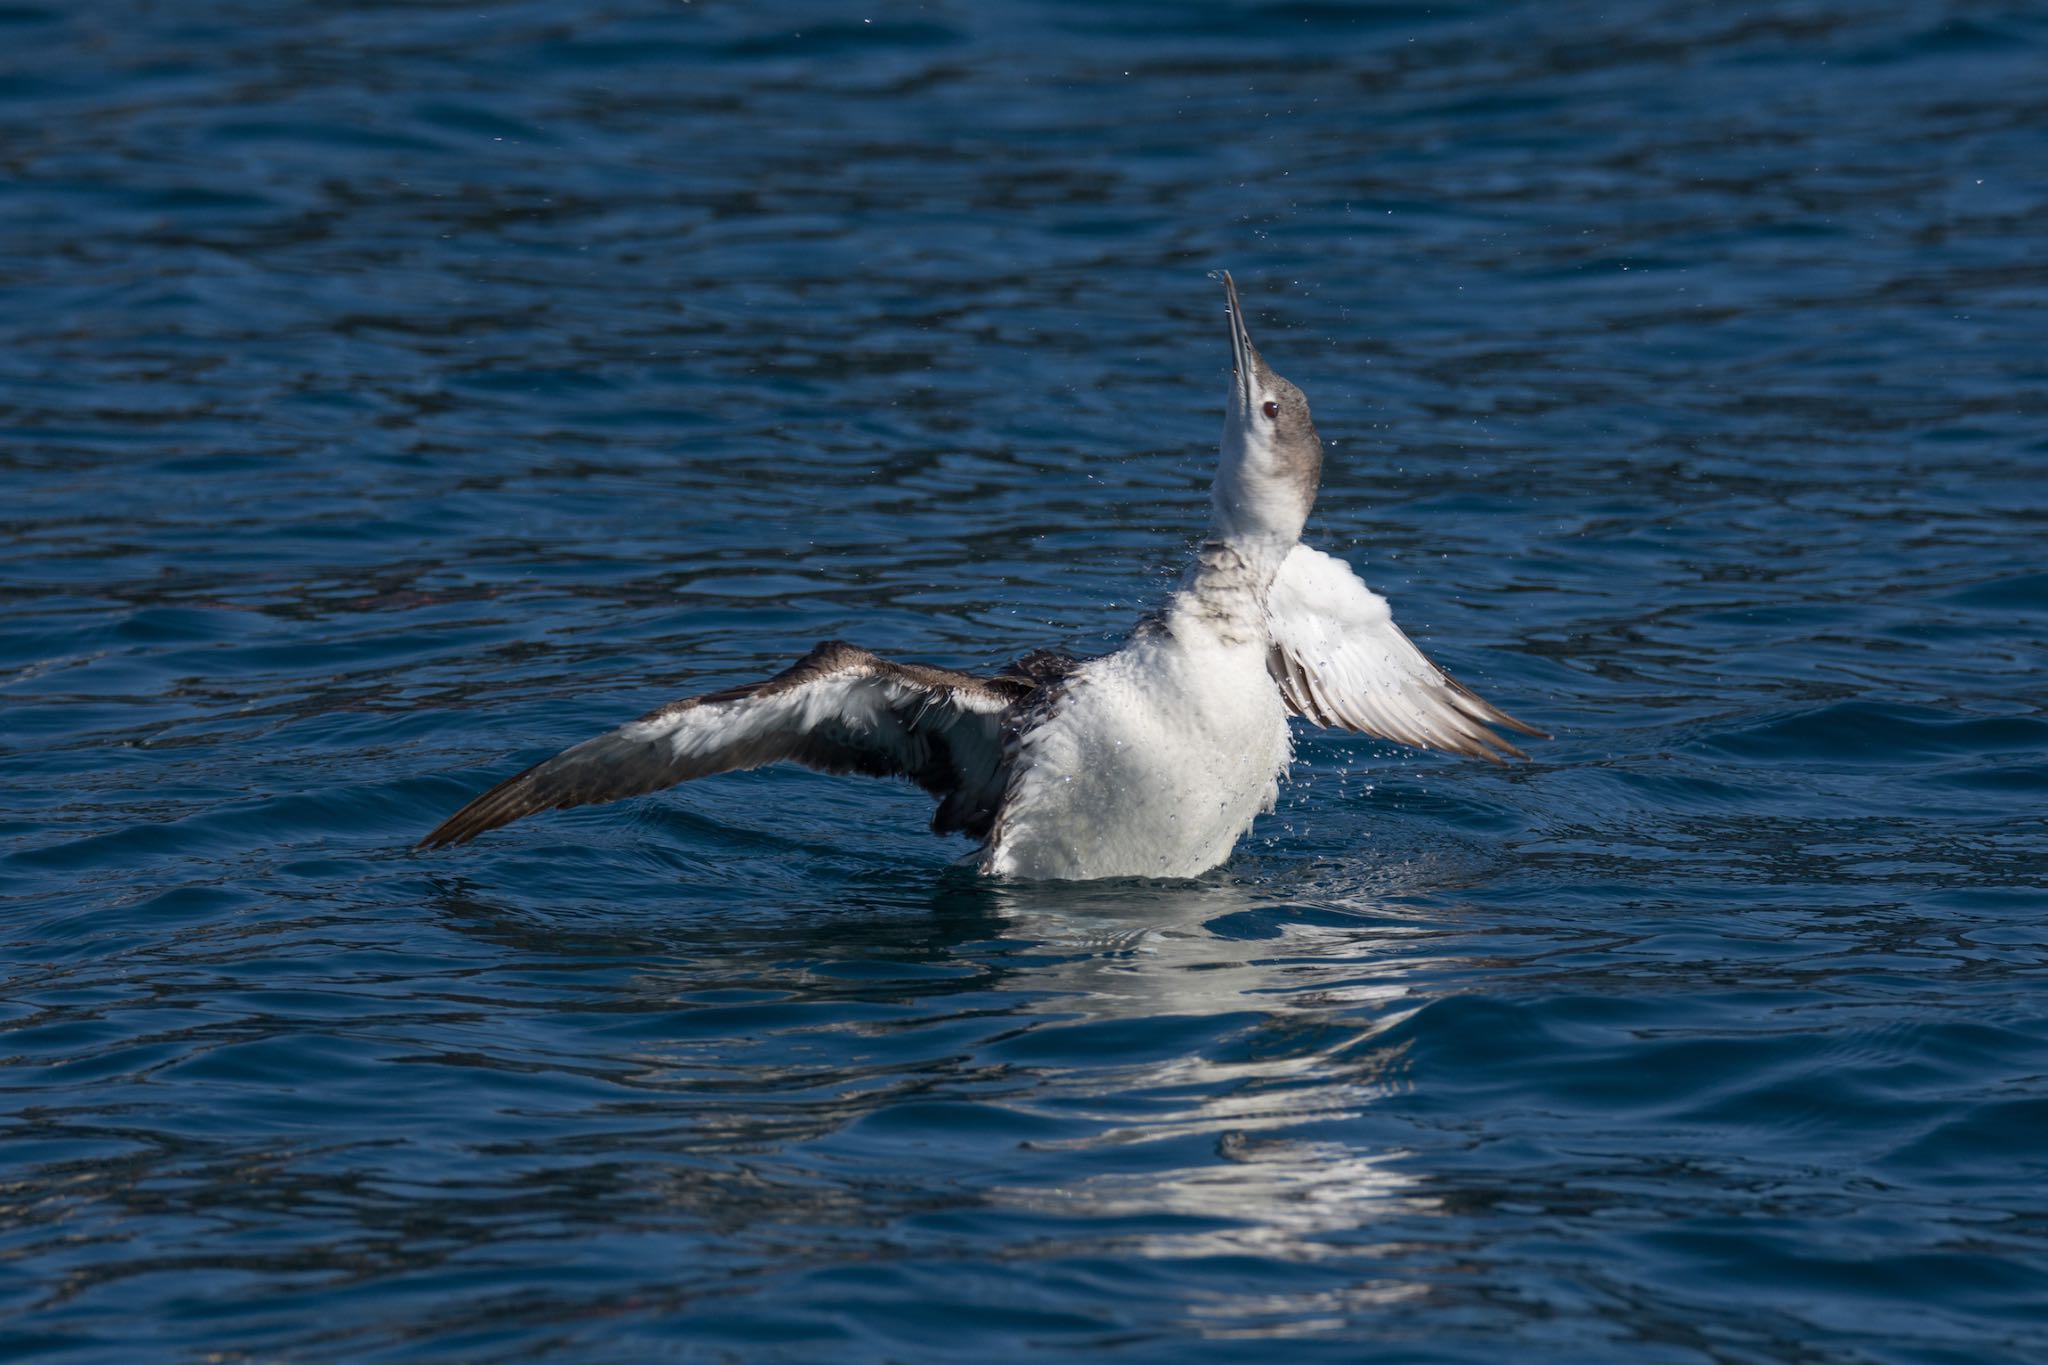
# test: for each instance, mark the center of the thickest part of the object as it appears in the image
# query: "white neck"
(1260, 490)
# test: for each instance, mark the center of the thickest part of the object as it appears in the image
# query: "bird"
(1149, 761)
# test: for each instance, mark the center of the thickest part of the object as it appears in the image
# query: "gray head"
(1272, 458)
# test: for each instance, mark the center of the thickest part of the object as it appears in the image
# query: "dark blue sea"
(394, 393)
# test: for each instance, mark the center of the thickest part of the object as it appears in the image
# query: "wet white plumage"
(1342, 662)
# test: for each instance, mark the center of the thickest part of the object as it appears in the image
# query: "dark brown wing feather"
(839, 709)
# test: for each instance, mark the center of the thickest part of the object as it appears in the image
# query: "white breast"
(1154, 762)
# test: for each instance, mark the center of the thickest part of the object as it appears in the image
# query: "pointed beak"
(1242, 354)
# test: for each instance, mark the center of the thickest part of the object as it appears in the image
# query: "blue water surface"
(393, 393)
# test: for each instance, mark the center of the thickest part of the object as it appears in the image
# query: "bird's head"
(1272, 458)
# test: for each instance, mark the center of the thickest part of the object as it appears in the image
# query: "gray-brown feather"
(923, 732)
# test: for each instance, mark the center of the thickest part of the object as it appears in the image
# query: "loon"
(1151, 761)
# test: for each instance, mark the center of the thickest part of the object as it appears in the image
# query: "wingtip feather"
(495, 808)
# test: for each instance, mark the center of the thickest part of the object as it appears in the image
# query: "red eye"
(1272, 411)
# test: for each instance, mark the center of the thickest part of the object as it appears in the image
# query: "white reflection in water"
(1301, 1006)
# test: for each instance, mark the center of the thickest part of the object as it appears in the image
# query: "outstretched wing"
(1341, 661)
(840, 709)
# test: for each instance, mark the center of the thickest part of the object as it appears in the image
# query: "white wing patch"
(1342, 662)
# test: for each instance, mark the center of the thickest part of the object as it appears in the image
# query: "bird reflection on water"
(774, 1071)
(1302, 1051)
